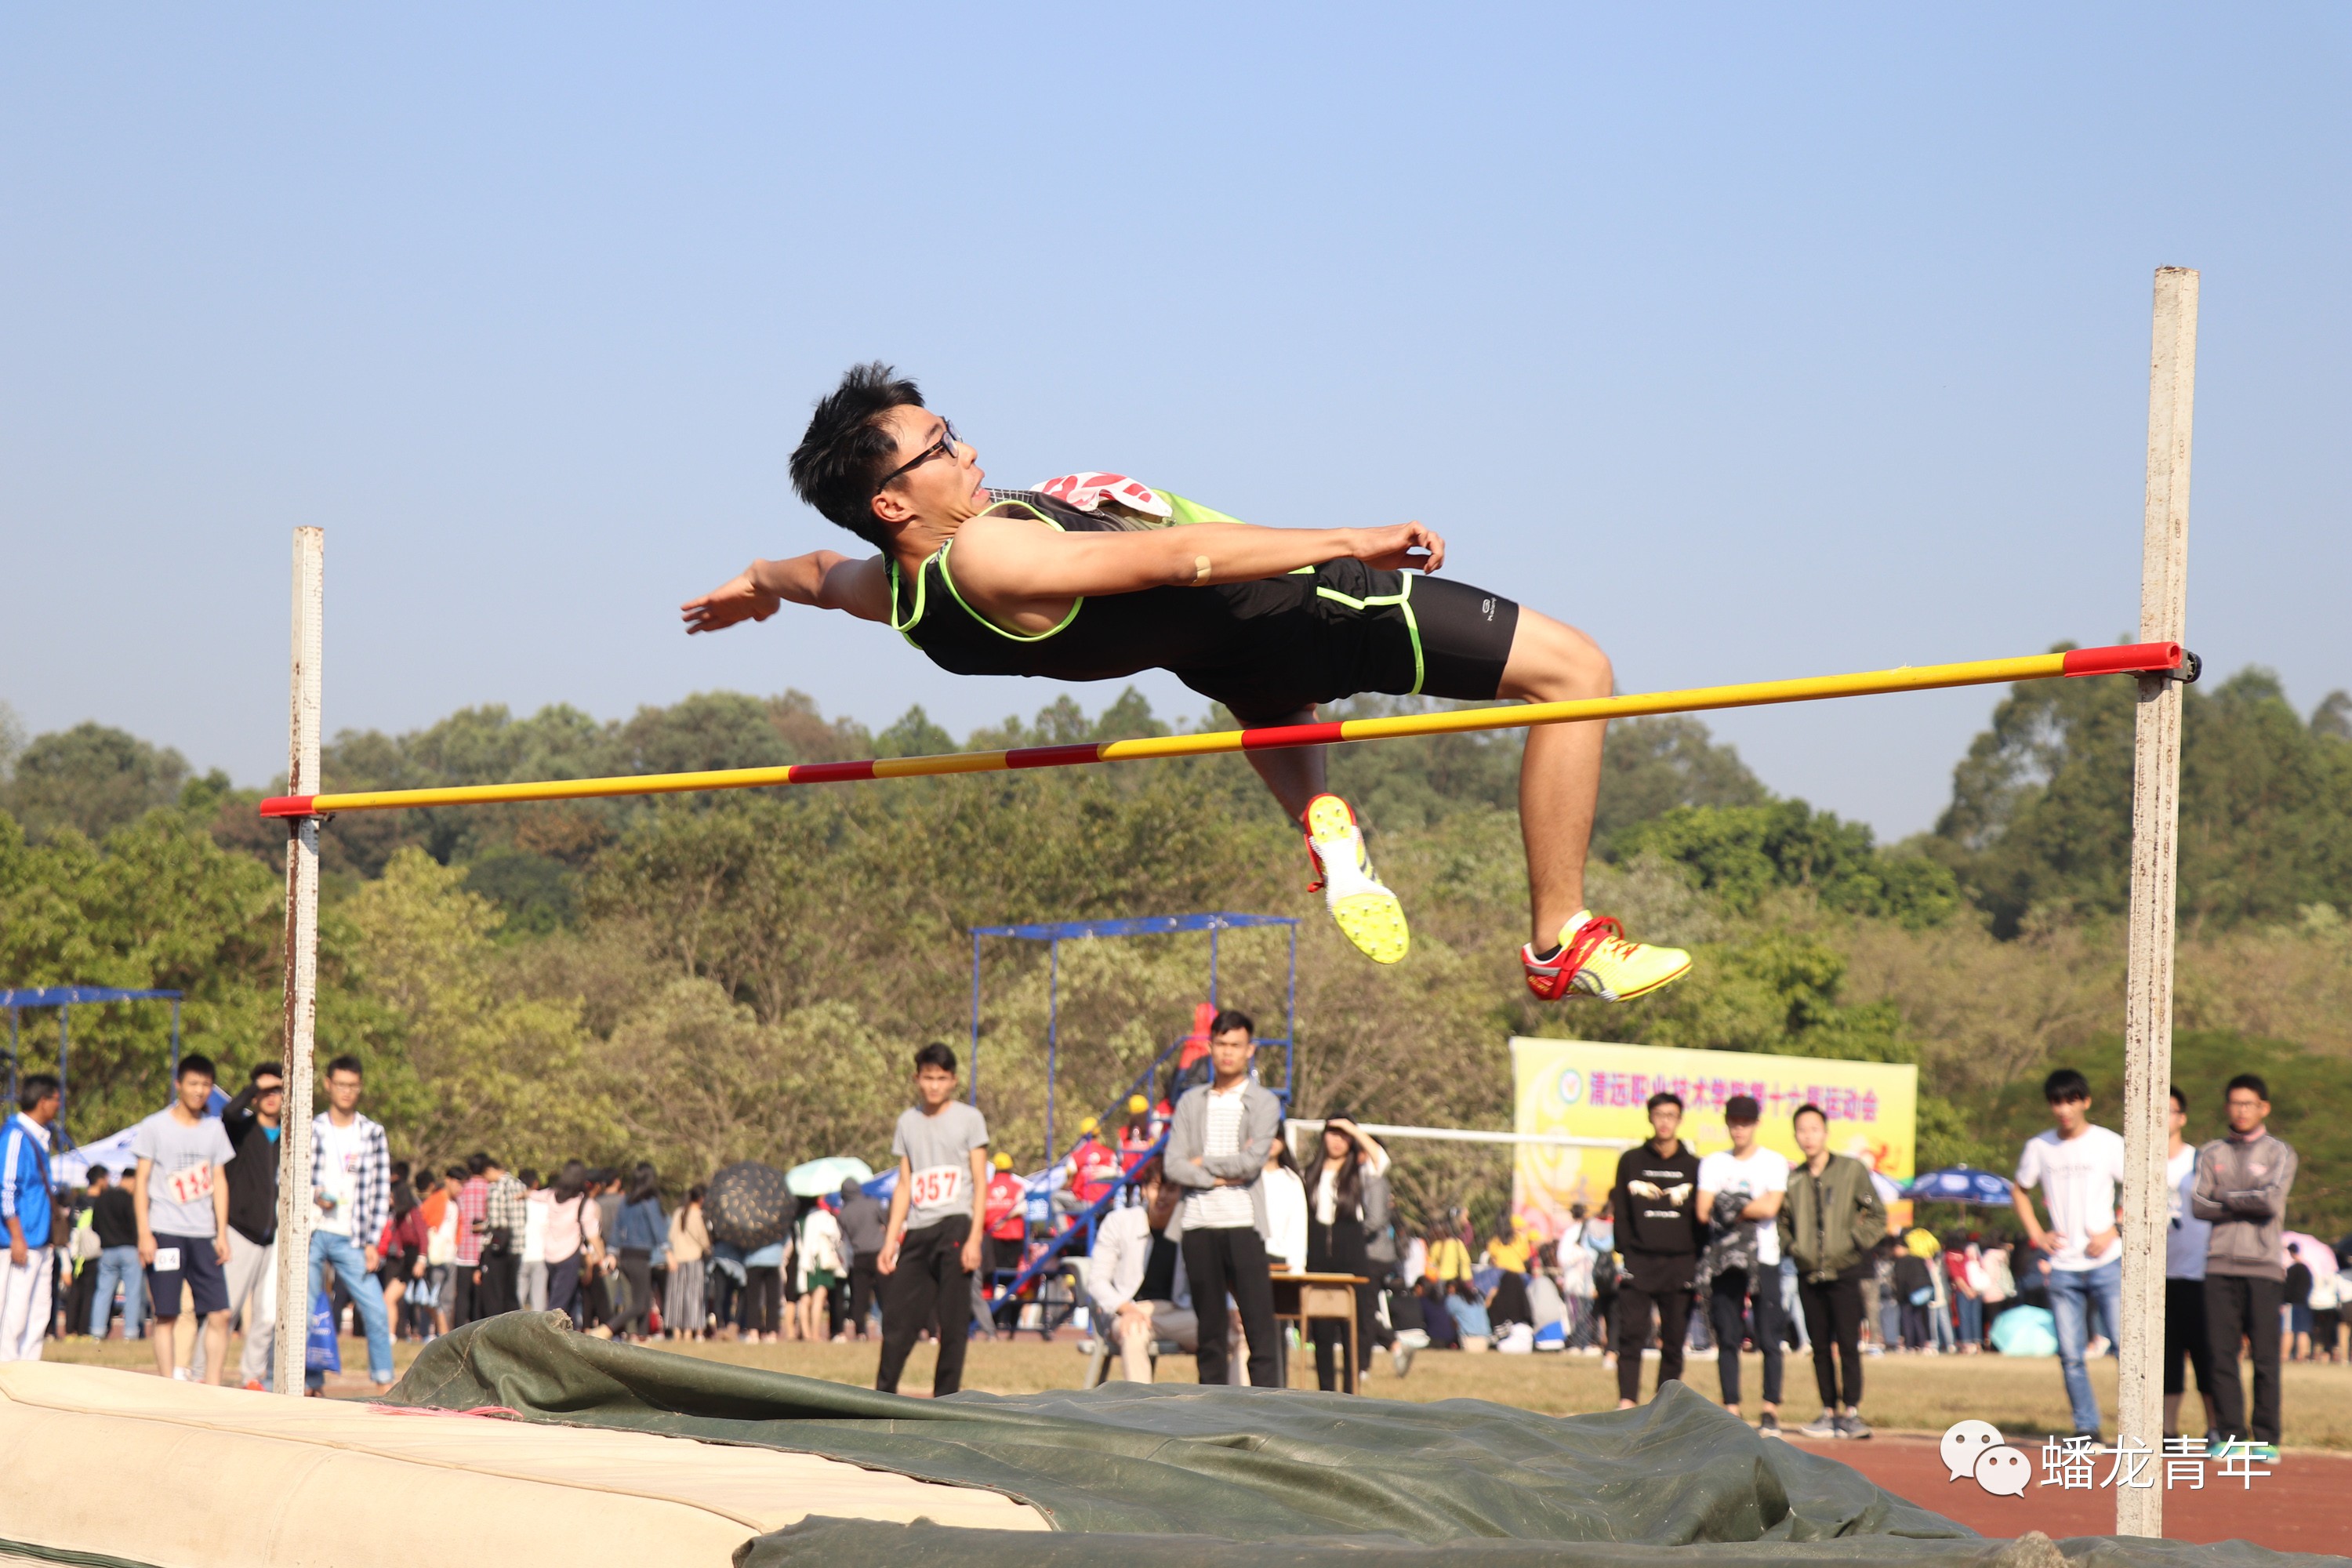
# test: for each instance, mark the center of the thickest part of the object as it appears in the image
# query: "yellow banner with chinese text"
(1582, 1089)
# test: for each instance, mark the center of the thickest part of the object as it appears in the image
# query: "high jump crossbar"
(1463, 1134)
(2134, 659)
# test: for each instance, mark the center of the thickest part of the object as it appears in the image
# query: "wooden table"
(1305, 1298)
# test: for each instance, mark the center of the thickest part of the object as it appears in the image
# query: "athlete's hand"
(1408, 544)
(737, 599)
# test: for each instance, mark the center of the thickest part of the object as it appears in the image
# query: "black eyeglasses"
(943, 448)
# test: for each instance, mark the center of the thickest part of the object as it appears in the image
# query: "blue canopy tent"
(1054, 935)
(1961, 1185)
(1059, 932)
(64, 998)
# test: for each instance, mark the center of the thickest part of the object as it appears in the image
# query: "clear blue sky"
(1756, 341)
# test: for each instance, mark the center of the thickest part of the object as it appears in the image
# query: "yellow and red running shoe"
(1593, 959)
(1368, 914)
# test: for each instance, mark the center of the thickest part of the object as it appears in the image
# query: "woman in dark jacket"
(1346, 1201)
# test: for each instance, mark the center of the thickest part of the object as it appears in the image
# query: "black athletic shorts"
(1399, 633)
(189, 1261)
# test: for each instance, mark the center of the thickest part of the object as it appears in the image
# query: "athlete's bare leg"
(1296, 774)
(1559, 776)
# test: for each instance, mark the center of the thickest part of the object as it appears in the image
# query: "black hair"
(528, 1178)
(1664, 1097)
(1285, 1159)
(345, 1063)
(476, 1162)
(98, 1173)
(34, 1088)
(266, 1069)
(1348, 1185)
(1152, 1172)
(847, 448)
(935, 1055)
(456, 1174)
(2180, 1100)
(693, 1194)
(2247, 1081)
(643, 1184)
(1809, 1107)
(571, 1182)
(2063, 1085)
(399, 1170)
(196, 1061)
(1233, 1018)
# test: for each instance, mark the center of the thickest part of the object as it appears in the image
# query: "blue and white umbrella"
(1962, 1184)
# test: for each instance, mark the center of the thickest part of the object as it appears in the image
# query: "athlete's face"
(1813, 1134)
(1230, 1053)
(944, 486)
(934, 1085)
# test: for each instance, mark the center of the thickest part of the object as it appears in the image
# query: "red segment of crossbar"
(2139, 657)
(287, 806)
(1275, 737)
(831, 773)
(1052, 757)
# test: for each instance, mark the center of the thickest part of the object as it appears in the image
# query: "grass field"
(2021, 1396)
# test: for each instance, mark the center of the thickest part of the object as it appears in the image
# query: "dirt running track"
(2305, 1505)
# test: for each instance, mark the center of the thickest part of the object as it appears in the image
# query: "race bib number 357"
(935, 1185)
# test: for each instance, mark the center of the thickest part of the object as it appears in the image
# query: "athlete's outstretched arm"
(1012, 555)
(825, 578)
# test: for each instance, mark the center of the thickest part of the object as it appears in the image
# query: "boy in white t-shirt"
(1763, 1176)
(2079, 1169)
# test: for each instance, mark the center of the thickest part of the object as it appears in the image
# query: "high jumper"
(1094, 576)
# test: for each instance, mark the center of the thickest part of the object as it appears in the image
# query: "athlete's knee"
(1554, 662)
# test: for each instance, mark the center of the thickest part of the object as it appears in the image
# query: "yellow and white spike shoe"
(1368, 914)
(1592, 958)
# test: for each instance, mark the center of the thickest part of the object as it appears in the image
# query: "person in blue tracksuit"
(25, 1210)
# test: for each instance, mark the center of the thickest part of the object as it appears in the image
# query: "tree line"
(698, 979)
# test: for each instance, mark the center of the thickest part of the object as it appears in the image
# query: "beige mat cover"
(183, 1476)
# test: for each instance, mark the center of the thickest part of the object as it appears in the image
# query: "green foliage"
(2040, 812)
(695, 979)
(1742, 852)
(464, 1065)
(90, 778)
(1773, 989)
(158, 906)
(2311, 1108)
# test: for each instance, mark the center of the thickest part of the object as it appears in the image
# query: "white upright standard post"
(301, 1015)
(2156, 813)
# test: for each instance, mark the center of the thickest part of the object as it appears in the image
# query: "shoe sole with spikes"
(1367, 913)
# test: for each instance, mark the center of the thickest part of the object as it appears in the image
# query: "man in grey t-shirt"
(180, 1195)
(931, 1244)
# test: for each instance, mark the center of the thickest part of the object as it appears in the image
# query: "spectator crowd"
(1191, 1230)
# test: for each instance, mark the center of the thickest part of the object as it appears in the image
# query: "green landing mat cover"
(1146, 1476)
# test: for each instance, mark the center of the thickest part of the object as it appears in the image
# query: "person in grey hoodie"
(864, 1218)
(2241, 1186)
(1217, 1146)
